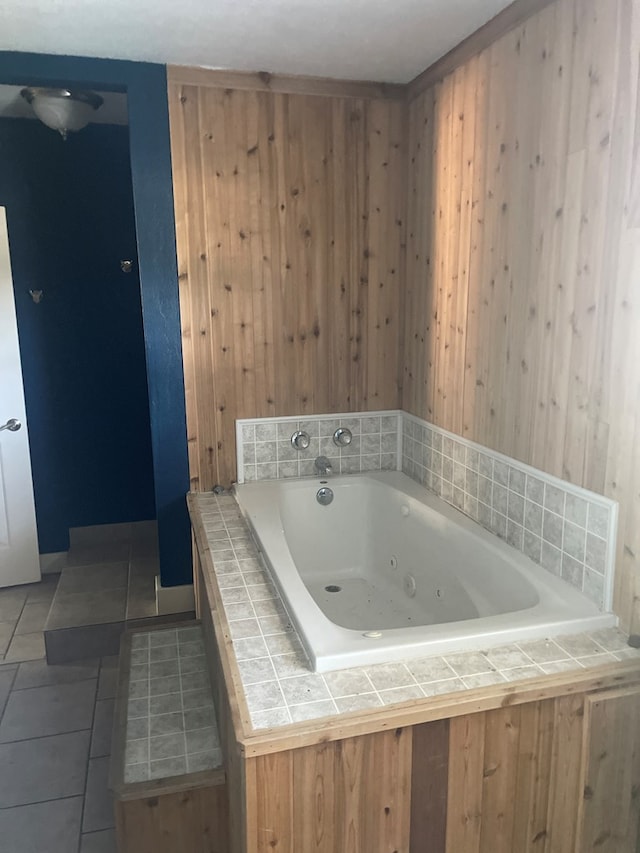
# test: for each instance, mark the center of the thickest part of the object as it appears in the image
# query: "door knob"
(13, 424)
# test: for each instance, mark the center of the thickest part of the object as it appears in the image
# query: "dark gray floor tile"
(52, 827)
(48, 710)
(25, 647)
(98, 802)
(102, 726)
(6, 632)
(108, 682)
(33, 617)
(76, 579)
(38, 673)
(12, 601)
(41, 769)
(141, 598)
(43, 591)
(71, 610)
(105, 552)
(7, 677)
(100, 534)
(71, 644)
(99, 842)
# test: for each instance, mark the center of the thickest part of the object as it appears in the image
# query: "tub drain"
(333, 588)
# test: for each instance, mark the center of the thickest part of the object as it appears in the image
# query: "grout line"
(86, 773)
(41, 802)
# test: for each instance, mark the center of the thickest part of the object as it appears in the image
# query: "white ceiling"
(387, 40)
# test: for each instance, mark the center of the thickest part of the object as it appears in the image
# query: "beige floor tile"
(26, 647)
(6, 632)
(33, 617)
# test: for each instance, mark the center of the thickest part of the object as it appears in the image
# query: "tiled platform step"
(166, 764)
(107, 585)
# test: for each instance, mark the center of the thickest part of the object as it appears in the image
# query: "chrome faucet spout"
(322, 466)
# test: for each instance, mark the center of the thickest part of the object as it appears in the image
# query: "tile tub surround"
(567, 530)
(278, 684)
(171, 723)
(265, 452)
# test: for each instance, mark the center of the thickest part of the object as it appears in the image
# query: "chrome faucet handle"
(300, 440)
(342, 437)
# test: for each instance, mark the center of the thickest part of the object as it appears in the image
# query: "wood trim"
(265, 741)
(119, 730)
(263, 81)
(504, 21)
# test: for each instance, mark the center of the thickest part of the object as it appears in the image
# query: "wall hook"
(36, 295)
(126, 266)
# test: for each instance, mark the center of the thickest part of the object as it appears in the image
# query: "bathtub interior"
(376, 559)
(490, 594)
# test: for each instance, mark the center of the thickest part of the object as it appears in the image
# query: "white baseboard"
(53, 563)
(174, 599)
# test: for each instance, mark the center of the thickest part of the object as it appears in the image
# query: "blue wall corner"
(146, 88)
(70, 217)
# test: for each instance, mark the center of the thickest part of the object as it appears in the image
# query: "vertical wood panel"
(464, 797)
(514, 778)
(290, 233)
(611, 776)
(549, 307)
(429, 775)
(351, 795)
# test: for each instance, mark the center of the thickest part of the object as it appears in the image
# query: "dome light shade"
(62, 109)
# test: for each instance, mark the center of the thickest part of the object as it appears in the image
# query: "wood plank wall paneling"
(522, 308)
(290, 229)
(351, 795)
(610, 806)
(514, 778)
(429, 774)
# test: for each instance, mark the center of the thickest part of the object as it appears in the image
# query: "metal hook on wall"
(36, 295)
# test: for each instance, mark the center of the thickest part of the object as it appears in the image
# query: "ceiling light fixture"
(62, 109)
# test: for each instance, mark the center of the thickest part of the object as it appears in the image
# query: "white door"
(19, 559)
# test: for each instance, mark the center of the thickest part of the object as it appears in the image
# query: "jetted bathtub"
(386, 571)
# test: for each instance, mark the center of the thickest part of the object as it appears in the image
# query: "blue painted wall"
(70, 218)
(145, 85)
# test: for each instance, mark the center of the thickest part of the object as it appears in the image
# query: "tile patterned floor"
(23, 613)
(55, 741)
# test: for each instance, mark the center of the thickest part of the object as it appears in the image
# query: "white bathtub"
(389, 572)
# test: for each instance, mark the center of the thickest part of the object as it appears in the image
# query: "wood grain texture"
(514, 778)
(288, 84)
(429, 778)
(290, 230)
(522, 298)
(351, 795)
(192, 821)
(610, 806)
(510, 17)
